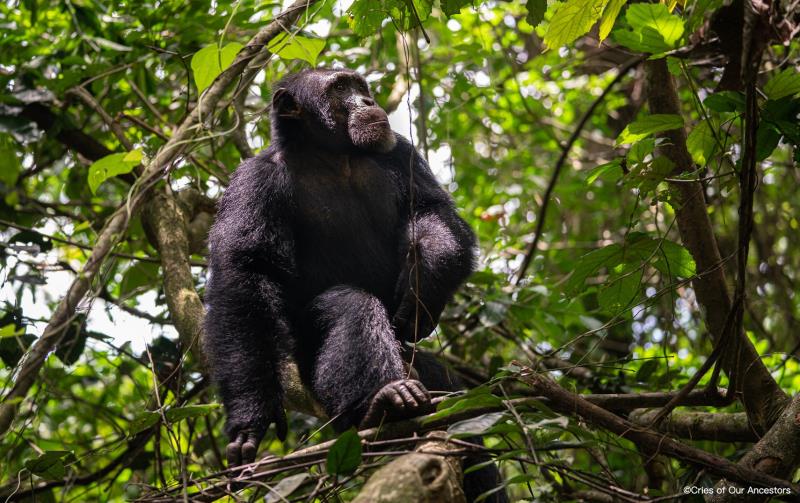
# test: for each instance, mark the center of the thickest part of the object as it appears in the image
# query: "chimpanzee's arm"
(439, 258)
(250, 253)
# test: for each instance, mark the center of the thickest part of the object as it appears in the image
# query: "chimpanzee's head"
(332, 109)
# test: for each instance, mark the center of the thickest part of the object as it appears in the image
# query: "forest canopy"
(632, 330)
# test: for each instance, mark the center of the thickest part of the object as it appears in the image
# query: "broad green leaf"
(10, 167)
(112, 165)
(701, 143)
(767, 139)
(670, 258)
(283, 489)
(475, 425)
(598, 171)
(647, 175)
(609, 17)
(620, 290)
(652, 29)
(640, 150)
(477, 401)
(784, 83)
(607, 256)
(572, 19)
(536, 10)
(452, 7)
(674, 260)
(646, 370)
(210, 61)
(648, 125)
(49, 465)
(11, 330)
(143, 421)
(180, 413)
(297, 47)
(725, 101)
(345, 454)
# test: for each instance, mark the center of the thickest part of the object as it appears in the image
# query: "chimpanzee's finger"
(419, 391)
(408, 398)
(234, 451)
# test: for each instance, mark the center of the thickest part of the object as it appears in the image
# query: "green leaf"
(475, 425)
(452, 7)
(283, 489)
(112, 165)
(784, 83)
(345, 454)
(646, 370)
(11, 330)
(49, 465)
(701, 143)
(210, 61)
(620, 290)
(607, 256)
(674, 260)
(297, 47)
(536, 10)
(143, 421)
(767, 139)
(572, 19)
(598, 171)
(652, 29)
(648, 125)
(725, 101)
(609, 17)
(10, 168)
(179, 413)
(476, 399)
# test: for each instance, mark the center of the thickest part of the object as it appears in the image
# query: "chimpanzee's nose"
(367, 101)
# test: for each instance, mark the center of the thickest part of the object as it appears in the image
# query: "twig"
(560, 164)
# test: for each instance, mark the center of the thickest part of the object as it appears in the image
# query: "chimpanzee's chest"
(348, 224)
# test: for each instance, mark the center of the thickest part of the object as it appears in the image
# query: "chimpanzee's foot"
(398, 400)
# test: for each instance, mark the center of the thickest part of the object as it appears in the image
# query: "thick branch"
(762, 398)
(167, 222)
(647, 440)
(429, 474)
(717, 426)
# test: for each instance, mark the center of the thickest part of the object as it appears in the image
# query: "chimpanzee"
(336, 246)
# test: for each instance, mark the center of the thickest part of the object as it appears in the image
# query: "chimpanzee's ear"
(284, 104)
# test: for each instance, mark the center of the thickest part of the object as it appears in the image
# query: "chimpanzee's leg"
(358, 375)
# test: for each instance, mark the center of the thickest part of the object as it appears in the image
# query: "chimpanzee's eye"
(339, 86)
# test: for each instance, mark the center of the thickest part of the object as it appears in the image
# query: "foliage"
(121, 407)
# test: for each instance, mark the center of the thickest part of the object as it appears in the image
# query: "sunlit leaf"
(110, 166)
(648, 125)
(297, 47)
(572, 19)
(210, 61)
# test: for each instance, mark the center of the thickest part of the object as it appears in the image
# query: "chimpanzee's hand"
(398, 400)
(246, 435)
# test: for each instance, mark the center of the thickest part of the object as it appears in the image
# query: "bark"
(29, 366)
(762, 398)
(719, 427)
(649, 441)
(167, 222)
(428, 475)
(776, 454)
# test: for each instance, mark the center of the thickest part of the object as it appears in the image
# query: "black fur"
(337, 245)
